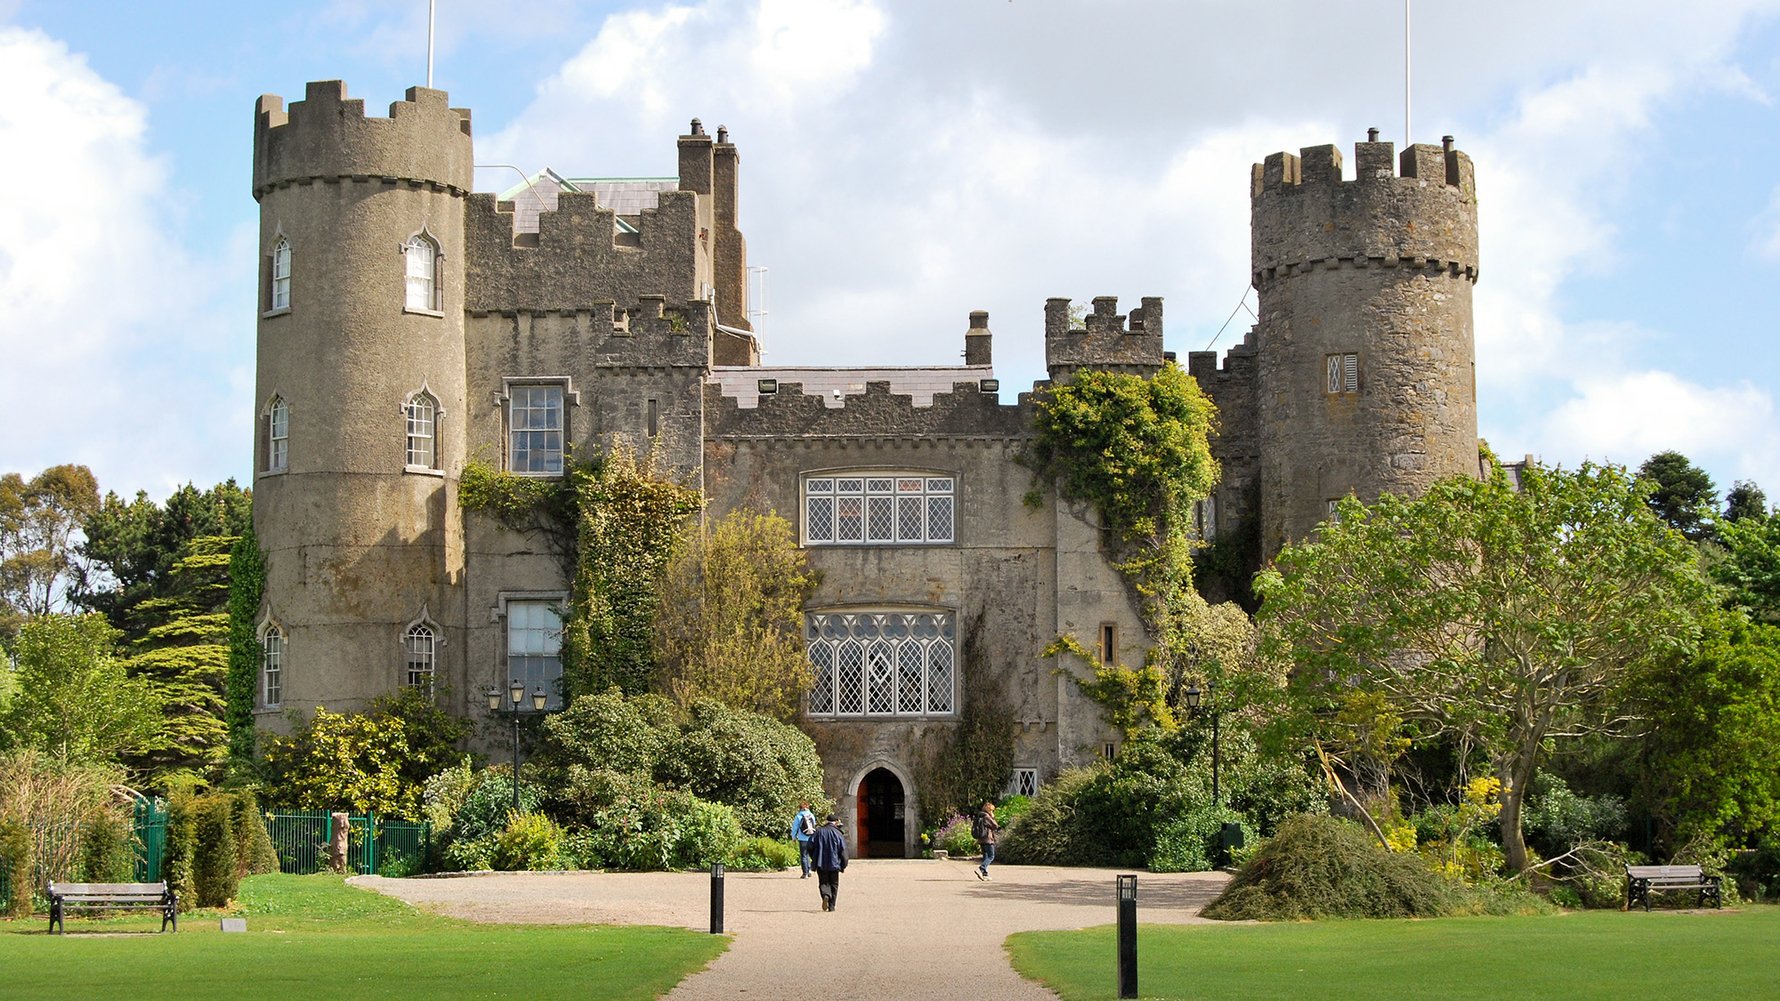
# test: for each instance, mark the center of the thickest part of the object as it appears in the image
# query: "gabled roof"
(627, 197)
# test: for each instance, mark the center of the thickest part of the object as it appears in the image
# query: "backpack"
(979, 827)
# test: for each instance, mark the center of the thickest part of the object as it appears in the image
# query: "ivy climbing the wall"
(247, 583)
(1138, 450)
(628, 520)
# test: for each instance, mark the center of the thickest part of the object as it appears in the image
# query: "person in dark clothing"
(828, 856)
(991, 834)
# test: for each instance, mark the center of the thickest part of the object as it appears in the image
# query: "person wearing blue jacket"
(828, 853)
(803, 826)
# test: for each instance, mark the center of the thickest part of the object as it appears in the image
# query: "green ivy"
(1138, 449)
(969, 764)
(526, 504)
(247, 583)
(628, 520)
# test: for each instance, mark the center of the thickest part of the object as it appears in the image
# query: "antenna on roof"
(431, 11)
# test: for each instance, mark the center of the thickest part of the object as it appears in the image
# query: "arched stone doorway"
(882, 815)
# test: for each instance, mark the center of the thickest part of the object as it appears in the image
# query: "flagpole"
(1407, 134)
(431, 9)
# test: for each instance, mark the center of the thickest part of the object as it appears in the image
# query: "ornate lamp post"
(1194, 697)
(515, 695)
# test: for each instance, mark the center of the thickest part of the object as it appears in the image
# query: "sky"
(906, 162)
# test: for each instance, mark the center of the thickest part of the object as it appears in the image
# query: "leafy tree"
(1682, 495)
(1751, 564)
(729, 625)
(183, 651)
(1497, 618)
(75, 702)
(1714, 721)
(342, 760)
(131, 548)
(1745, 500)
(38, 521)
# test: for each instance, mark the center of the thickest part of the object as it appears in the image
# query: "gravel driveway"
(913, 929)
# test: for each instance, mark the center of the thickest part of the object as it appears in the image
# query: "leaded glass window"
(881, 510)
(421, 261)
(422, 413)
(272, 667)
(280, 291)
(881, 664)
(278, 436)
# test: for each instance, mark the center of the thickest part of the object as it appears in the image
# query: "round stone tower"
(1364, 343)
(360, 394)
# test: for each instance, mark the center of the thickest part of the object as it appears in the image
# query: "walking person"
(828, 854)
(803, 826)
(987, 832)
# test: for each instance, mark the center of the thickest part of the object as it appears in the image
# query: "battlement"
(326, 137)
(1105, 339)
(575, 259)
(1419, 213)
(790, 415)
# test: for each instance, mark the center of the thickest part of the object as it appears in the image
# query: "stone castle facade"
(409, 326)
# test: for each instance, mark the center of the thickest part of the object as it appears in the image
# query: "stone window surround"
(269, 299)
(1341, 373)
(896, 497)
(435, 285)
(436, 469)
(1024, 781)
(504, 600)
(264, 684)
(571, 399)
(268, 425)
(437, 635)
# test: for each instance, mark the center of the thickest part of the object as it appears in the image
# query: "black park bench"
(112, 896)
(1640, 880)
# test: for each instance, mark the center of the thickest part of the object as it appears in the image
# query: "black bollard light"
(1128, 936)
(716, 898)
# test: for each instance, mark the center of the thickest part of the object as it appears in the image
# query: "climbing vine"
(530, 505)
(1137, 449)
(247, 583)
(627, 522)
(960, 768)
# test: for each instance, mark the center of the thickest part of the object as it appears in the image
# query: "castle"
(409, 325)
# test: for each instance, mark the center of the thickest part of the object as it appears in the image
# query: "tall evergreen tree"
(1683, 495)
(182, 649)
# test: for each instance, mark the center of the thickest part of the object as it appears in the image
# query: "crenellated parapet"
(1418, 215)
(649, 334)
(576, 260)
(789, 415)
(326, 138)
(1105, 339)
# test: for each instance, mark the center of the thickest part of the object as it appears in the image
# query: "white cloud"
(1629, 416)
(1767, 224)
(103, 322)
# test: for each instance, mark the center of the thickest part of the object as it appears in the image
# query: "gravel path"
(905, 929)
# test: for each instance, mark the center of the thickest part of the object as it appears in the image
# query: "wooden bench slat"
(112, 896)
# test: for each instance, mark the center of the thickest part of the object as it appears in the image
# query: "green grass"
(1595, 954)
(313, 936)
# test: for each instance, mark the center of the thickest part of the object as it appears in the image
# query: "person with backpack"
(987, 832)
(828, 853)
(803, 826)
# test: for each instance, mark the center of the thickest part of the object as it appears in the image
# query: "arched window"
(422, 257)
(420, 645)
(278, 293)
(277, 451)
(272, 666)
(422, 412)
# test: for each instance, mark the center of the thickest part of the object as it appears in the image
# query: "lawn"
(1578, 956)
(314, 936)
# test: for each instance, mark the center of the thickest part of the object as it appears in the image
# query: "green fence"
(301, 839)
(150, 822)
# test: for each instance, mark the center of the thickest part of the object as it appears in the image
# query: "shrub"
(953, 836)
(107, 849)
(530, 841)
(763, 855)
(1048, 833)
(611, 732)
(1557, 820)
(1757, 872)
(253, 845)
(468, 855)
(662, 829)
(15, 860)
(756, 765)
(178, 855)
(1012, 808)
(486, 808)
(215, 862)
(1323, 867)
(1189, 842)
